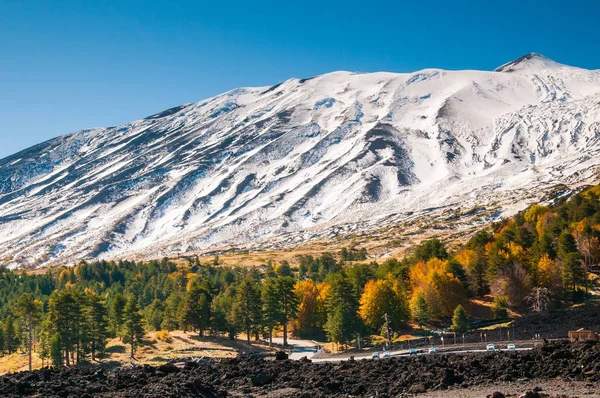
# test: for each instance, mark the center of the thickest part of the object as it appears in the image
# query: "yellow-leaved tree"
(442, 291)
(380, 297)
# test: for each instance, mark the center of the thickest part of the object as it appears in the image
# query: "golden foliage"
(164, 336)
(544, 222)
(549, 273)
(441, 289)
(466, 257)
(383, 296)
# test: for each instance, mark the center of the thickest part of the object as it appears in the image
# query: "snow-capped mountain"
(302, 158)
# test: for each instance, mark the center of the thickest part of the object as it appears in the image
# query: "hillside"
(306, 159)
(528, 267)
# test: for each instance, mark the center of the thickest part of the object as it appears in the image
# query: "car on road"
(375, 355)
(491, 347)
(511, 347)
(386, 354)
(432, 350)
(413, 352)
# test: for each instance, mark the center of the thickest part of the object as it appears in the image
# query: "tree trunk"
(29, 341)
(270, 337)
(285, 343)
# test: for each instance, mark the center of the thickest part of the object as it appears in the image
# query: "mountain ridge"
(303, 158)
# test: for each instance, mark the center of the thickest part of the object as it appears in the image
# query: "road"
(306, 348)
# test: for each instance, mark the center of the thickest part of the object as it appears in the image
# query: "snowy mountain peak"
(306, 158)
(528, 62)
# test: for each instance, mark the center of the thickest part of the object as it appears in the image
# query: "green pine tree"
(96, 318)
(289, 303)
(10, 335)
(342, 306)
(29, 311)
(247, 309)
(460, 320)
(421, 311)
(133, 325)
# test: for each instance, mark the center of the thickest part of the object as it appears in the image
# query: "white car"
(511, 347)
(375, 355)
(432, 350)
(386, 354)
(491, 347)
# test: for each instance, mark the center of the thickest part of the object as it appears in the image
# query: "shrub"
(164, 336)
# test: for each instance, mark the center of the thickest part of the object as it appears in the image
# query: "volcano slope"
(254, 377)
(272, 167)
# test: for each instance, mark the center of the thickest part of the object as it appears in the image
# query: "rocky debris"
(253, 376)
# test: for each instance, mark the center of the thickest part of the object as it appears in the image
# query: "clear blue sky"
(68, 65)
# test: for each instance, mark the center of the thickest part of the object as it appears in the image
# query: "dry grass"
(153, 352)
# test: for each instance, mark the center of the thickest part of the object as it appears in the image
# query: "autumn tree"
(550, 275)
(512, 282)
(474, 263)
(383, 297)
(442, 290)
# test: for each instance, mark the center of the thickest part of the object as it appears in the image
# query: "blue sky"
(68, 65)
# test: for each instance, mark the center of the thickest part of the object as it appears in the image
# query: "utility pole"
(387, 330)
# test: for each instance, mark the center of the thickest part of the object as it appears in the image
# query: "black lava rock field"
(255, 377)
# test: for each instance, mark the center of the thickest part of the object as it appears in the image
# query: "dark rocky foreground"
(253, 377)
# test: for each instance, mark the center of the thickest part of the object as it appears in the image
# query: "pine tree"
(29, 311)
(566, 244)
(460, 320)
(289, 303)
(271, 300)
(44, 346)
(170, 315)
(10, 335)
(421, 310)
(342, 320)
(117, 308)
(56, 350)
(223, 316)
(247, 310)
(195, 311)
(96, 317)
(573, 273)
(133, 325)
(2, 343)
(65, 320)
(154, 315)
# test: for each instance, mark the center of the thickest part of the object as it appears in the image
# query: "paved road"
(406, 353)
(299, 348)
(308, 349)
